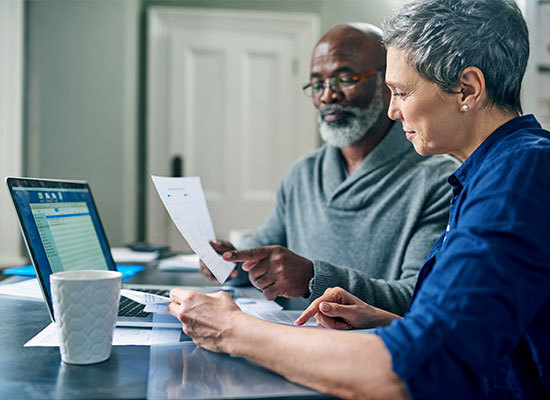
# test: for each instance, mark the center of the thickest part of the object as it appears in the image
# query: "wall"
(82, 101)
(83, 115)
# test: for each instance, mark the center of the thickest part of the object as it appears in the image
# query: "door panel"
(224, 95)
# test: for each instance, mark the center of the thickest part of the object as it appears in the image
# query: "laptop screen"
(61, 227)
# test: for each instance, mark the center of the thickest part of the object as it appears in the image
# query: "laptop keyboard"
(131, 308)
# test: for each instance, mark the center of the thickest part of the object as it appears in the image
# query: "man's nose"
(329, 96)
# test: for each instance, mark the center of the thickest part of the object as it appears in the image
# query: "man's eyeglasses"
(338, 84)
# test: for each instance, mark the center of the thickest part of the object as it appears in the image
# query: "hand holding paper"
(184, 201)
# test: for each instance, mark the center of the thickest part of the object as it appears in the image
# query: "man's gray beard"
(356, 126)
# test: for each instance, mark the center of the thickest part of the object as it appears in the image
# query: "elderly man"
(364, 207)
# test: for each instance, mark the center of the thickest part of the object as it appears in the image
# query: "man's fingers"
(271, 291)
(248, 265)
(255, 254)
(262, 282)
(221, 246)
(258, 270)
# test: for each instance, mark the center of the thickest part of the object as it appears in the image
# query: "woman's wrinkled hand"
(339, 309)
(206, 318)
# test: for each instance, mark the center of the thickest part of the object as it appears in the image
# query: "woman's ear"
(472, 88)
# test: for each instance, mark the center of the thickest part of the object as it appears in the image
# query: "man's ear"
(472, 88)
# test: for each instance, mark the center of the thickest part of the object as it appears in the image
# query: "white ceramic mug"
(85, 305)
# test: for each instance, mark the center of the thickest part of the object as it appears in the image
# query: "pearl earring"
(465, 107)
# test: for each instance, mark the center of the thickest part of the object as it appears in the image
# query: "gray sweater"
(368, 232)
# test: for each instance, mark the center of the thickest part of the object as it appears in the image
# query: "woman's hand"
(339, 309)
(206, 318)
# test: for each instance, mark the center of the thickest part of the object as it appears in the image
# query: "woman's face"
(430, 116)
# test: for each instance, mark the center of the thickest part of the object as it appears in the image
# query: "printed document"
(48, 337)
(143, 297)
(184, 200)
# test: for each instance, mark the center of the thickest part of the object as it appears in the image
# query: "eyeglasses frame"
(355, 78)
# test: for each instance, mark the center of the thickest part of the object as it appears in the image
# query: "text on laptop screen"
(64, 228)
(68, 235)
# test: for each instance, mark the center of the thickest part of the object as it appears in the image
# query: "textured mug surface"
(85, 305)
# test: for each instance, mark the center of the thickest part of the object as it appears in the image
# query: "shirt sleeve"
(489, 280)
(394, 295)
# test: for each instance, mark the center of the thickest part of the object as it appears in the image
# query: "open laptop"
(63, 232)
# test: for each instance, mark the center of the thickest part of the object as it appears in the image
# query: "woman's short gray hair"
(442, 37)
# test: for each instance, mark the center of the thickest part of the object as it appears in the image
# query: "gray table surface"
(38, 373)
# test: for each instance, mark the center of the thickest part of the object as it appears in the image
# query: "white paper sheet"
(158, 308)
(185, 203)
(286, 317)
(254, 305)
(143, 297)
(27, 288)
(48, 337)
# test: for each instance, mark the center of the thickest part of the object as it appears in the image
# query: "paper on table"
(48, 337)
(26, 288)
(286, 317)
(144, 298)
(183, 262)
(249, 305)
(185, 203)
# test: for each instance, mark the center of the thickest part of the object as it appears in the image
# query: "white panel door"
(224, 99)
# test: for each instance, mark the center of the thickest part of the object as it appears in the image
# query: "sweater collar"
(392, 145)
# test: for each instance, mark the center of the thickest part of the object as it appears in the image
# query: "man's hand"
(221, 246)
(204, 317)
(339, 309)
(275, 270)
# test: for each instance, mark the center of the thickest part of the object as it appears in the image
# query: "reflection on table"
(185, 371)
(38, 373)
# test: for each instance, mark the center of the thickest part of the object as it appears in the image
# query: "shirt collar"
(470, 166)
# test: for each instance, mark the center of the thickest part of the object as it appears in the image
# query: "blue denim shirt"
(478, 326)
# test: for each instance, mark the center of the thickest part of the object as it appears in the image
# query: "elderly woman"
(478, 325)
